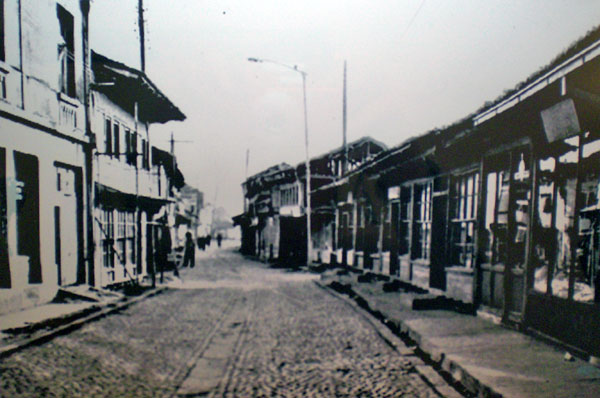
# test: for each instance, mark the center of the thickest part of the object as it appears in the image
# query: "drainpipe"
(21, 56)
(88, 147)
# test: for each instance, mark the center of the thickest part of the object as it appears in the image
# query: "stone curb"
(426, 372)
(103, 310)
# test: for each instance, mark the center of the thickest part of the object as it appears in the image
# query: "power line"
(412, 20)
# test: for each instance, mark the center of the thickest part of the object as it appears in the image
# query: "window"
(131, 237)
(289, 196)
(108, 136)
(5, 278)
(465, 190)
(387, 227)
(66, 52)
(121, 237)
(145, 154)
(361, 213)
(134, 149)
(2, 85)
(108, 254)
(496, 218)
(116, 139)
(422, 221)
(131, 147)
(404, 220)
(2, 45)
(127, 137)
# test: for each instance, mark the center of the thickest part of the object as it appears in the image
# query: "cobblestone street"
(231, 328)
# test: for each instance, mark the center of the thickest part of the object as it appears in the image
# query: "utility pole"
(142, 38)
(308, 206)
(345, 161)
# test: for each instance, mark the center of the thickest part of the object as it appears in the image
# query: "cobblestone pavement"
(231, 328)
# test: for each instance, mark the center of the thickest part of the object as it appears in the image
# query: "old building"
(334, 169)
(78, 183)
(44, 149)
(133, 181)
(262, 203)
(274, 219)
(189, 204)
(499, 210)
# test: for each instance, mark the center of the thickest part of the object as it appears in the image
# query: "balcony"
(68, 109)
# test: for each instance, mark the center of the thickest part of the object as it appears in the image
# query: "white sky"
(456, 55)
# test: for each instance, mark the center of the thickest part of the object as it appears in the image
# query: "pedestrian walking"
(189, 252)
(219, 239)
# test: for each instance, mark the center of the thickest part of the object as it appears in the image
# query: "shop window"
(107, 242)
(131, 229)
(421, 245)
(465, 190)
(121, 237)
(66, 52)
(496, 216)
(560, 269)
(507, 208)
(387, 227)
(405, 220)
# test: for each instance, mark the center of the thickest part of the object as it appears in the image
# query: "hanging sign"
(560, 120)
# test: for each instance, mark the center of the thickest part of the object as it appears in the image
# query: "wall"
(48, 149)
(36, 119)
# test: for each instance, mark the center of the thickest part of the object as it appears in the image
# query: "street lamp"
(308, 210)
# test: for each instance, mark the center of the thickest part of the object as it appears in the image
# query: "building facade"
(44, 147)
(65, 182)
(133, 181)
(274, 220)
(499, 211)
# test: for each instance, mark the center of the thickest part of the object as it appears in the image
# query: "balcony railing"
(67, 113)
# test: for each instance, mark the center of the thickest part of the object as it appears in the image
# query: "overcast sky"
(412, 65)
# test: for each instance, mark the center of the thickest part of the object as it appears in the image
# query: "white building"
(132, 182)
(43, 144)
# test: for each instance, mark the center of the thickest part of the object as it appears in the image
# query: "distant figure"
(208, 238)
(189, 253)
(163, 248)
(219, 239)
(201, 243)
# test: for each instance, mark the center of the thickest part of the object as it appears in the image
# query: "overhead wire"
(414, 17)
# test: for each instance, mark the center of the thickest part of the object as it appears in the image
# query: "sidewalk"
(487, 359)
(73, 307)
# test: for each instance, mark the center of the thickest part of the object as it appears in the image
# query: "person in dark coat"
(219, 239)
(201, 243)
(163, 248)
(189, 251)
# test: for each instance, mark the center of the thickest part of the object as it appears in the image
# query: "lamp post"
(308, 209)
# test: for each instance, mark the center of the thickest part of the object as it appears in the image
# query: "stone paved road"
(231, 328)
